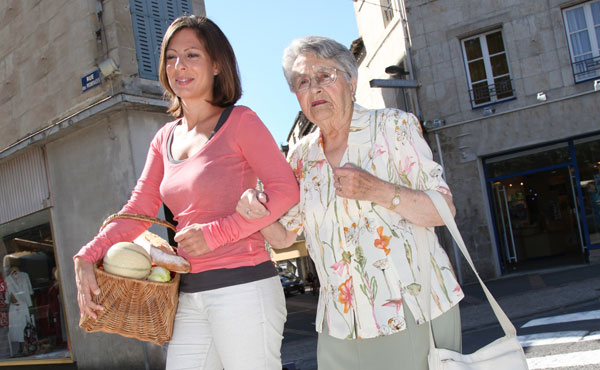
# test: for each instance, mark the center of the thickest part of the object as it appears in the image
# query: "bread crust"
(162, 254)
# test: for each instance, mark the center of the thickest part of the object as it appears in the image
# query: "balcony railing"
(586, 69)
(482, 93)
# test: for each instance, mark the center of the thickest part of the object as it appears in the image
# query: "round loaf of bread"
(128, 260)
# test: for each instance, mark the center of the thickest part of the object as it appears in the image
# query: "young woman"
(231, 309)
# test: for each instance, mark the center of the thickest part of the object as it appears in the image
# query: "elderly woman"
(362, 174)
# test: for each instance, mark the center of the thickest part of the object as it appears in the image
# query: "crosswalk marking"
(579, 316)
(542, 339)
(559, 337)
(564, 360)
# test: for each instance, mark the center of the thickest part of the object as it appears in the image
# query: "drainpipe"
(408, 44)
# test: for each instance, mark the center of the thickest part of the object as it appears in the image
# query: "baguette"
(162, 254)
(171, 262)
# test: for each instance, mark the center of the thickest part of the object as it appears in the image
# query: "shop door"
(587, 151)
(537, 219)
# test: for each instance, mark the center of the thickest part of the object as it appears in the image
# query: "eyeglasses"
(323, 77)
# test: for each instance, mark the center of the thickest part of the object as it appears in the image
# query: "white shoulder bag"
(503, 353)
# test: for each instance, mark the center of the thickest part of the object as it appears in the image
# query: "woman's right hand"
(251, 204)
(86, 286)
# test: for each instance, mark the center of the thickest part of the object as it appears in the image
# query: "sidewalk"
(530, 294)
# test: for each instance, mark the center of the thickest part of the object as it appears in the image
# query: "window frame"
(593, 38)
(387, 10)
(493, 98)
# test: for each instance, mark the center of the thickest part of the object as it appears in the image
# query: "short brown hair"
(227, 88)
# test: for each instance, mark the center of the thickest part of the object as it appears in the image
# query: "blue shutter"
(150, 20)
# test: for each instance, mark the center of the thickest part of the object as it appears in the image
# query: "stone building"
(507, 93)
(79, 104)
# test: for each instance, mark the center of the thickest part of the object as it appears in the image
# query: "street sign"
(90, 80)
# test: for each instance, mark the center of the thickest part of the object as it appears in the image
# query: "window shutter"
(150, 20)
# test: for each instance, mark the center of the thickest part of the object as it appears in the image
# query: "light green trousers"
(406, 350)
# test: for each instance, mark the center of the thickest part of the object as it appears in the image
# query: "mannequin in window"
(18, 297)
(4, 350)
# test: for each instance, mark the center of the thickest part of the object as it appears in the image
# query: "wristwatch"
(396, 198)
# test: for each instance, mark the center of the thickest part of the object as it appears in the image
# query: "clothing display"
(365, 254)
(18, 286)
(3, 305)
(205, 189)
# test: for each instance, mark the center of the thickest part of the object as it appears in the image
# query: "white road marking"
(559, 337)
(565, 360)
(579, 316)
(542, 339)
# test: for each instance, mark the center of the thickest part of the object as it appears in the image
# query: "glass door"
(537, 219)
(587, 152)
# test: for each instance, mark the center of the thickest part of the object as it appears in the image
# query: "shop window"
(32, 321)
(488, 72)
(587, 152)
(528, 160)
(150, 20)
(582, 25)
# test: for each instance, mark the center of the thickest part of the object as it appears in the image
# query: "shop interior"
(32, 322)
(538, 220)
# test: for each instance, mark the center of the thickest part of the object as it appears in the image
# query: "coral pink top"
(205, 188)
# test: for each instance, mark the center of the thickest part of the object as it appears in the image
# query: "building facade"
(508, 95)
(79, 104)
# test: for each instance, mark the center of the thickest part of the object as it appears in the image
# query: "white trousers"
(233, 328)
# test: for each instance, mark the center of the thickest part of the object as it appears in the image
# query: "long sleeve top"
(205, 188)
(365, 254)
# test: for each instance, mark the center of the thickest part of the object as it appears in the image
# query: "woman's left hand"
(191, 240)
(353, 182)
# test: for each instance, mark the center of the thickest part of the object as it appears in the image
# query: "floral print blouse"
(365, 254)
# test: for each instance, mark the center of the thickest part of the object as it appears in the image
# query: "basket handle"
(135, 216)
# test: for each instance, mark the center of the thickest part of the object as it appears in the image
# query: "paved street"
(300, 337)
(556, 313)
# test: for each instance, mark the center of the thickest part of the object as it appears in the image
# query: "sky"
(260, 30)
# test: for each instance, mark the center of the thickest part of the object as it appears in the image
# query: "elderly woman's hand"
(191, 240)
(353, 182)
(251, 204)
(86, 286)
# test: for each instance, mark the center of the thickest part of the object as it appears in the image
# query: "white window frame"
(488, 68)
(393, 8)
(589, 68)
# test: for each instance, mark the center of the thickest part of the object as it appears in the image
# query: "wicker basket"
(134, 308)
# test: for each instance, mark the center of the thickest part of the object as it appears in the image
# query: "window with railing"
(582, 24)
(487, 69)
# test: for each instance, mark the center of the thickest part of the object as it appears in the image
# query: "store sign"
(90, 80)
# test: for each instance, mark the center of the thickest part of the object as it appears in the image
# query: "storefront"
(33, 328)
(33, 325)
(545, 203)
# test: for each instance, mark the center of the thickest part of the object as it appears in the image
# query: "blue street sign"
(90, 80)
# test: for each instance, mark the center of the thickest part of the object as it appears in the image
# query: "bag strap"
(421, 235)
(224, 115)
